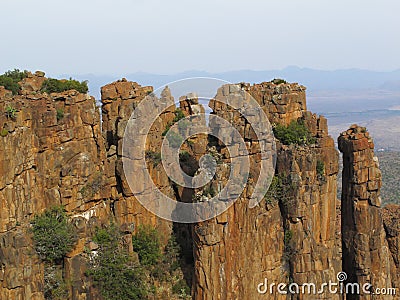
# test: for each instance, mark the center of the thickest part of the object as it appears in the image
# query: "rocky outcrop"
(57, 154)
(57, 150)
(366, 255)
(52, 154)
(292, 239)
(119, 99)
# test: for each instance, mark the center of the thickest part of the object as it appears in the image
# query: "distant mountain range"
(344, 96)
(314, 80)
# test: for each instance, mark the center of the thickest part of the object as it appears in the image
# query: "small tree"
(295, 133)
(179, 115)
(53, 235)
(52, 85)
(10, 80)
(55, 286)
(113, 270)
(146, 243)
(16, 74)
(278, 81)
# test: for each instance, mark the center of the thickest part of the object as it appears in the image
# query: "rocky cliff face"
(118, 101)
(52, 153)
(289, 239)
(366, 254)
(56, 150)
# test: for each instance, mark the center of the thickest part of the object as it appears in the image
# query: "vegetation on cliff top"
(295, 133)
(278, 81)
(52, 85)
(10, 80)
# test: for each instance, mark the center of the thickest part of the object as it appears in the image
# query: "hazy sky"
(168, 36)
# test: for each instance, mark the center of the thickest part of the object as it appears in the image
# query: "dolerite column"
(366, 258)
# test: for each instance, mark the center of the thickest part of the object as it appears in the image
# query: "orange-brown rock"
(33, 82)
(292, 240)
(119, 100)
(366, 255)
(56, 150)
(53, 154)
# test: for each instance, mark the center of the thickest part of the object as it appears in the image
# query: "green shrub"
(146, 242)
(16, 74)
(209, 191)
(55, 286)
(169, 262)
(52, 85)
(290, 247)
(113, 270)
(60, 114)
(167, 127)
(10, 84)
(295, 133)
(179, 115)
(172, 254)
(107, 237)
(154, 157)
(288, 236)
(281, 190)
(181, 288)
(10, 80)
(320, 168)
(278, 81)
(168, 269)
(11, 112)
(275, 191)
(53, 235)
(4, 132)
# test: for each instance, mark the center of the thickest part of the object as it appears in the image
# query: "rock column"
(366, 256)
